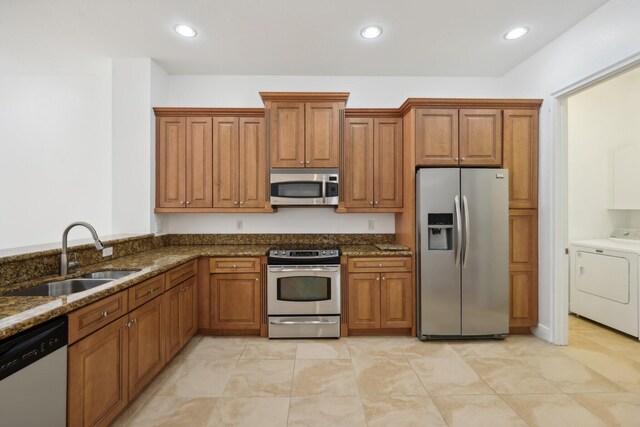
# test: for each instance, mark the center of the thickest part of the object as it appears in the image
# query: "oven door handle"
(302, 270)
(303, 322)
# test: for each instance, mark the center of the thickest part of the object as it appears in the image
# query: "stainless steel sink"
(109, 274)
(58, 288)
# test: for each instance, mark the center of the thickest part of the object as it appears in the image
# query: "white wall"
(600, 119)
(55, 156)
(243, 91)
(606, 37)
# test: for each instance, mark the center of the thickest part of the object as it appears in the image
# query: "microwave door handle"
(324, 189)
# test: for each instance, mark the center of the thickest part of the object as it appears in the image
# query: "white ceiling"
(291, 37)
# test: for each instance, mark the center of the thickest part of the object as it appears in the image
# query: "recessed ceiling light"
(516, 33)
(371, 32)
(185, 30)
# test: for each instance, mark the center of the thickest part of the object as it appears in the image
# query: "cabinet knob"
(182, 202)
(242, 203)
(378, 279)
(235, 203)
(151, 290)
(457, 158)
(384, 278)
(379, 265)
(235, 266)
(375, 203)
(302, 162)
(308, 161)
(256, 279)
(188, 203)
(104, 313)
(462, 158)
(371, 203)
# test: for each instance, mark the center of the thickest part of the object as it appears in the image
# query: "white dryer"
(604, 280)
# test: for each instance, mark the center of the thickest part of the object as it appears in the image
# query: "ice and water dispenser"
(440, 226)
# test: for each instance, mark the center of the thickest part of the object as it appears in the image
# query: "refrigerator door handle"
(465, 204)
(456, 201)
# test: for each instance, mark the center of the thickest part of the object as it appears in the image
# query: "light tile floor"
(394, 381)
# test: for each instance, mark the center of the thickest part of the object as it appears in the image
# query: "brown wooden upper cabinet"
(304, 128)
(184, 162)
(372, 168)
(451, 137)
(239, 179)
(521, 157)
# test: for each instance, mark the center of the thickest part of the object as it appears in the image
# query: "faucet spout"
(64, 264)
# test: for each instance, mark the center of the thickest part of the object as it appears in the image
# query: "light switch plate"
(107, 252)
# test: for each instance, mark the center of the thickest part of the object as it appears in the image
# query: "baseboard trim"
(542, 332)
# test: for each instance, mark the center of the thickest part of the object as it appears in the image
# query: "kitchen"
(105, 137)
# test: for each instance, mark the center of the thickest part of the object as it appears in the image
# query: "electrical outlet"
(107, 252)
(371, 225)
(239, 224)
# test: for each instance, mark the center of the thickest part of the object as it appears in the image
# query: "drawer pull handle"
(104, 313)
(151, 290)
(235, 266)
(379, 265)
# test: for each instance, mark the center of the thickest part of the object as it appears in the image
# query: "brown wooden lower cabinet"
(146, 345)
(523, 268)
(180, 315)
(380, 301)
(109, 367)
(98, 381)
(235, 301)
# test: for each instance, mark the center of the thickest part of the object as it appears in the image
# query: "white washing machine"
(604, 280)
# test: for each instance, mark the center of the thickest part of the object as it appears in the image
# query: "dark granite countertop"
(18, 313)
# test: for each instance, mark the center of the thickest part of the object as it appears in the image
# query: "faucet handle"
(75, 262)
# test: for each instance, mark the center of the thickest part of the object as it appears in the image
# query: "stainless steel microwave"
(304, 187)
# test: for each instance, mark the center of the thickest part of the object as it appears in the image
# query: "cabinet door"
(253, 159)
(396, 300)
(146, 345)
(199, 163)
(436, 137)
(322, 135)
(235, 301)
(521, 157)
(358, 163)
(480, 137)
(286, 135)
(364, 301)
(172, 322)
(388, 163)
(523, 267)
(188, 313)
(98, 376)
(171, 163)
(225, 169)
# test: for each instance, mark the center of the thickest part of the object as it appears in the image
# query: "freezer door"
(485, 254)
(438, 245)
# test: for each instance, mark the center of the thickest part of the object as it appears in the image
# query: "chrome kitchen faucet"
(64, 263)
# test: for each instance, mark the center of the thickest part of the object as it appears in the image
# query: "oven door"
(303, 290)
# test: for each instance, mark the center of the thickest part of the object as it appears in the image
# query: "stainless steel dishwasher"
(33, 376)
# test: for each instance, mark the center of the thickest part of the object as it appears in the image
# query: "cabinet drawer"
(146, 291)
(234, 265)
(88, 319)
(181, 273)
(365, 265)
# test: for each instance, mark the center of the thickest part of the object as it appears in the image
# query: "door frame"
(559, 187)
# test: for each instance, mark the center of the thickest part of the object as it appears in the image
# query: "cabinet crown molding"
(469, 103)
(305, 96)
(372, 112)
(207, 112)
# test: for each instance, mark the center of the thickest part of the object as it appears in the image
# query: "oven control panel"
(304, 254)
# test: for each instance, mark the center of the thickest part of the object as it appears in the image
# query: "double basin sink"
(71, 286)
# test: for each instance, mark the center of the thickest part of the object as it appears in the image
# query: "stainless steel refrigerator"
(462, 220)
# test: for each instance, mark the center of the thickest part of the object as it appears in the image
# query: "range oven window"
(304, 289)
(297, 189)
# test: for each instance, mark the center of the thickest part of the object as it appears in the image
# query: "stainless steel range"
(303, 293)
